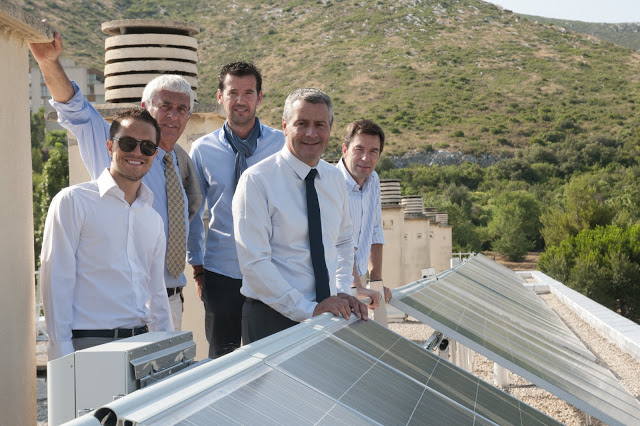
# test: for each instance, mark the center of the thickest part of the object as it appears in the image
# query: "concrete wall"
(441, 246)
(392, 257)
(416, 247)
(201, 123)
(17, 311)
(412, 244)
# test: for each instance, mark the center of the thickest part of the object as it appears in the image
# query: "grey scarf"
(243, 148)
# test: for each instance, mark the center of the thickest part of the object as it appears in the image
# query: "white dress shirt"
(366, 215)
(102, 263)
(214, 161)
(272, 233)
(91, 130)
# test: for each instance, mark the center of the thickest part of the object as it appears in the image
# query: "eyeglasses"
(128, 144)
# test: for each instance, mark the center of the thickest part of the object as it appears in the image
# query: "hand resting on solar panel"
(342, 305)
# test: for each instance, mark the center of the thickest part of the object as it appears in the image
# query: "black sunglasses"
(128, 144)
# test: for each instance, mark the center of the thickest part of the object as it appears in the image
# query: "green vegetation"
(601, 263)
(559, 107)
(625, 34)
(50, 168)
(423, 70)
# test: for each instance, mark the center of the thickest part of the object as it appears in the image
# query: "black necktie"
(315, 239)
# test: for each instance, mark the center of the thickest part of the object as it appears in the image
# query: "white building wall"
(17, 309)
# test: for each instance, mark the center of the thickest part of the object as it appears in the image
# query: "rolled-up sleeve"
(91, 130)
(378, 231)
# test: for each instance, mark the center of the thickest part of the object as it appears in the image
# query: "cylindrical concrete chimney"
(390, 191)
(141, 49)
(412, 205)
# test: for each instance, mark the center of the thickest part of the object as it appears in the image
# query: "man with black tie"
(292, 227)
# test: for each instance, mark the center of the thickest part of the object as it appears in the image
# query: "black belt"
(256, 301)
(174, 290)
(118, 333)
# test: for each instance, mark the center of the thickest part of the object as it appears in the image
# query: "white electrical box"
(90, 378)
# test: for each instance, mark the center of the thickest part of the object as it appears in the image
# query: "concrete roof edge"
(619, 330)
(23, 25)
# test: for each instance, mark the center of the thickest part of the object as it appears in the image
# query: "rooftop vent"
(412, 205)
(390, 192)
(138, 50)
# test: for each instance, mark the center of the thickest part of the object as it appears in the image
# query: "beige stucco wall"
(441, 246)
(17, 351)
(415, 247)
(200, 124)
(392, 257)
(17, 312)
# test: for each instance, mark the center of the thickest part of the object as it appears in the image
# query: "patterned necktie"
(315, 239)
(176, 240)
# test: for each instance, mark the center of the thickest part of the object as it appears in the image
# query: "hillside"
(623, 34)
(459, 74)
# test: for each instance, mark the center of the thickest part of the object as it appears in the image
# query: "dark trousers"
(223, 313)
(260, 320)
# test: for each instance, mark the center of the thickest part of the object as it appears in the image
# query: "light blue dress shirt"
(366, 215)
(92, 131)
(214, 161)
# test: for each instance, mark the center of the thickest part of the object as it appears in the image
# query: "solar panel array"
(330, 371)
(484, 306)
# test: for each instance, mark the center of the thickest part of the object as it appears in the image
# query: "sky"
(609, 11)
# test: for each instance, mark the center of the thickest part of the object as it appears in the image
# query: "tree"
(515, 225)
(55, 137)
(37, 129)
(55, 176)
(583, 207)
(601, 263)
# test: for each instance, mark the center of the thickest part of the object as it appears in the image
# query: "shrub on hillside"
(601, 263)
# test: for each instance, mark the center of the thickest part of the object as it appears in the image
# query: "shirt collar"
(351, 182)
(299, 167)
(224, 137)
(106, 183)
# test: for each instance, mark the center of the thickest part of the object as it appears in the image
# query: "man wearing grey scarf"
(220, 158)
(242, 147)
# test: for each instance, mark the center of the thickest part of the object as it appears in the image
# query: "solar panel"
(327, 371)
(485, 307)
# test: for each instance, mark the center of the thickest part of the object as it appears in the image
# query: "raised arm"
(47, 54)
(75, 113)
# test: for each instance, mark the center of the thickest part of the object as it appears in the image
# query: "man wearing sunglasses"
(169, 99)
(103, 248)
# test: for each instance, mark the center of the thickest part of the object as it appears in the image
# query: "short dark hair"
(307, 94)
(133, 113)
(366, 127)
(239, 69)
